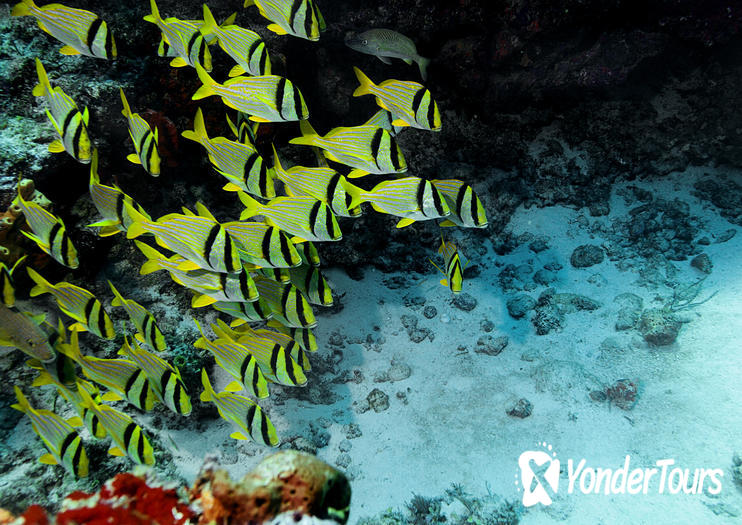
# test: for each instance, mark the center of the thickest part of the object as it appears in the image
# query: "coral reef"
(12, 241)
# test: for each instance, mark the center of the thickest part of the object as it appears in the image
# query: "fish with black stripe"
(123, 378)
(266, 98)
(453, 273)
(71, 125)
(466, 208)
(202, 241)
(48, 232)
(62, 441)
(410, 103)
(245, 312)
(276, 361)
(291, 347)
(366, 149)
(412, 198)
(310, 281)
(288, 304)
(238, 361)
(324, 184)
(239, 163)
(78, 303)
(147, 330)
(308, 253)
(209, 286)
(281, 275)
(242, 412)
(306, 218)
(300, 18)
(81, 32)
(7, 287)
(144, 139)
(262, 245)
(304, 336)
(164, 378)
(383, 119)
(244, 46)
(72, 396)
(183, 38)
(111, 202)
(128, 437)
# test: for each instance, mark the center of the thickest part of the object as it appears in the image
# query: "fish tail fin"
(153, 258)
(136, 228)
(72, 348)
(118, 299)
(44, 86)
(355, 193)
(308, 135)
(44, 378)
(209, 22)
(276, 160)
(22, 8)
(251, 205)
(198, 134)
(87, 400)
(127, 110)
(42, 285)
(205, 90)
(366, 84)
(23, 405)
(155, 16)
(422, 63)
(208, 392)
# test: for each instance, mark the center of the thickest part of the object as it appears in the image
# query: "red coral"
(35, 515)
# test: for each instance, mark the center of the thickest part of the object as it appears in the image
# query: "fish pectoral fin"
(385, 60)
(236, 71)
(56, 146)
(75, 421)
(234, 386)
(77, 327)
(107, 231)
(447, 222)
(444, 282)
(405, 222)
(178, 62)
(48, 459)
(202, 300)
(188, 265)
(258, 119)
(111, 396)
(277, 29)
(237, 322)
(399, 122)
(238, 435)
(297, 240)
(134, 158)
(139, 337)
(356, 173)
(69, 50)
(407, 61)
(115, 451)
(231, 186)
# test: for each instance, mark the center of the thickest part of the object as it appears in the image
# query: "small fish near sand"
(385, 44)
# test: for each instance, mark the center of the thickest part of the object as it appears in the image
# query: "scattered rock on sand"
(659, 327)
(491, 345)
(520, 305)
(465, 302)
(522, 408)
(586, 255)
(378, 400)
(703, 263)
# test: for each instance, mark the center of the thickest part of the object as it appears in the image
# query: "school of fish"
(263, 267)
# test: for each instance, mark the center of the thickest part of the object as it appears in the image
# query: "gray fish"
(385, 44)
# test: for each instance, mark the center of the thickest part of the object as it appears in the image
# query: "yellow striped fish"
(299, 18)
(411, 198)
(239, 163)
(128, 437)
(310, 281)
(210, 287)
(303, 336)
(291, 347)
(70, 124)
(64, 444)
(183, 38)
(267, 98)
(242, 412)
(305, 218)
(244, 46)
(466, 208)
(245, 312)
(244, 130)
(324, 184)
(110, 202)
(82, 32)
(383, 119)
(308, 253)
(366, 149)
(237, 360)
(76, 302)
(454, 273)
(19, 330)
(145, 141)
(410, 103)
(262, 245)
(48, 232)
(288, 304)
(276, 361)
(277, 274)
(164, 378)
(7, 287)
(72, 396)
(147, 330)
(202, 241)
(121, 376)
